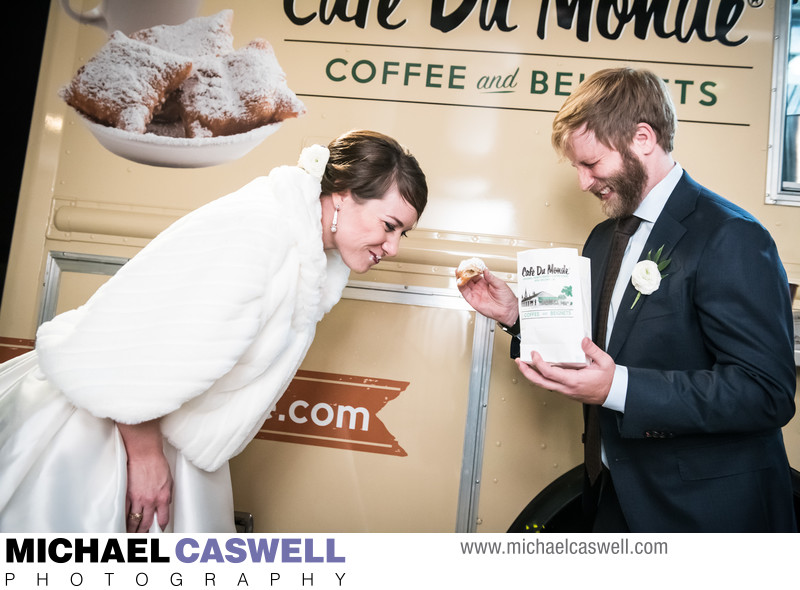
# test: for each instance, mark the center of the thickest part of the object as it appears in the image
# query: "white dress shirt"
(648, 211)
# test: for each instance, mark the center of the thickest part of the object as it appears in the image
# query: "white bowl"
(178, 152)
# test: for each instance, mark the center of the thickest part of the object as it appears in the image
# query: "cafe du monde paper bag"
(555, 304)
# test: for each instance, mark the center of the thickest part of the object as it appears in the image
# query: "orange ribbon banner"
(333, 410)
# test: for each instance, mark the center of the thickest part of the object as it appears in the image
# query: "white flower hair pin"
(646, 276)
(313, 160)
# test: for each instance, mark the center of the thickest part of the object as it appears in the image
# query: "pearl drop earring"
(335, 219)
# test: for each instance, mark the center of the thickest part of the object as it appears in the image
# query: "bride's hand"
(149, 490)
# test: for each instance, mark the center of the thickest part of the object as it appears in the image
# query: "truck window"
(783, 173)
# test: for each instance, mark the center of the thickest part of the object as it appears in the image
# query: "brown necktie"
(625, 229)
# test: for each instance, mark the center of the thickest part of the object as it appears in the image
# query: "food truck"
(407, 415)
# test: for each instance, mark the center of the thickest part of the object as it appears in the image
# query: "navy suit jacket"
(711, 374)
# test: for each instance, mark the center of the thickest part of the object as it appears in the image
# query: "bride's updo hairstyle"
(368, 163)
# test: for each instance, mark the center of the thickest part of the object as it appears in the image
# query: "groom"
(692, 382)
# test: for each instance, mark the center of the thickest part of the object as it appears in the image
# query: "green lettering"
(538, 82)
(712, 98)
(429, 78)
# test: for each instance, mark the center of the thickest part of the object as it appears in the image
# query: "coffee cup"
(133, 15)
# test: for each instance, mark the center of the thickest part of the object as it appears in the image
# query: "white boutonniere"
(313, 160)
(646, 277)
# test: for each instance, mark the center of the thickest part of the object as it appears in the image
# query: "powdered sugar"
(198, 37)
(125, 81)
(235, 92)
(228, 92)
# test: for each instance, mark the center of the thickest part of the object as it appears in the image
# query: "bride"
(125, 415)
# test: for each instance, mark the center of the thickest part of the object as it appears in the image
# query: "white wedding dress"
(64, 470)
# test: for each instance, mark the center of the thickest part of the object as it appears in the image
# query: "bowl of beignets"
(178, 152)
(182, 95)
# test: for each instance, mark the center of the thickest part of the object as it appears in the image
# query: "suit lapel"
(666, 232)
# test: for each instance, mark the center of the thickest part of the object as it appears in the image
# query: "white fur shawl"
(207, 325)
